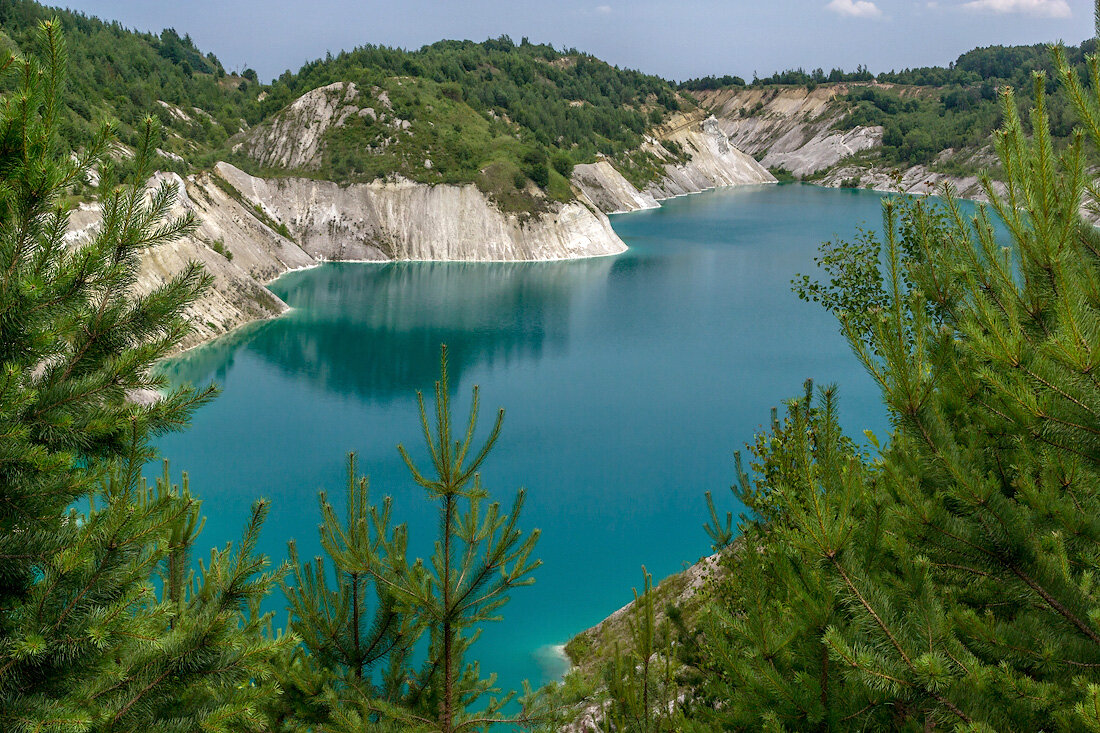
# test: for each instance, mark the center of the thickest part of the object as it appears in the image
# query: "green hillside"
(498, 114)
(119, 74)
(501, 114)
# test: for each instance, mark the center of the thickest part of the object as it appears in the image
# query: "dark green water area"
(628, 383)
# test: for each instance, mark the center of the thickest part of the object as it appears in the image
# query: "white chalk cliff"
(251, 230)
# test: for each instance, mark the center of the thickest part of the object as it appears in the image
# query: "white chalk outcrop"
(793, 128)
(608, 189)
(712, 162)
(294, 138)
(237, 243)
(403, 220)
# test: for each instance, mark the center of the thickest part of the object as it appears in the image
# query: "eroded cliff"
(253, 229)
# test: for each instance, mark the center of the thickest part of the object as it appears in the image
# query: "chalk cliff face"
(609, 190)
(251, 230)
(402, 220)
(713, 162)
(793, 127)
(237, 243)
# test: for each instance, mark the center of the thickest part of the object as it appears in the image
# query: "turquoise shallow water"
(628, 383)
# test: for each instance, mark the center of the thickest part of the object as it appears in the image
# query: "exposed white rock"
(174, 111)
(793, 127)
(714, 161)
(403, 220)
(169, 155)
(825, 149)
(293, 139)
(607, 189)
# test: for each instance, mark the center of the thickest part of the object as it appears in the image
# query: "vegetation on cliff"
(122, 75)
(933, 116)
(512, 118)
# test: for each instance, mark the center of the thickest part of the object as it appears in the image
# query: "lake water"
(628, 382)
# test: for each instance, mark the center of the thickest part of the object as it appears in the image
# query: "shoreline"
(321, 262)
(660, 202)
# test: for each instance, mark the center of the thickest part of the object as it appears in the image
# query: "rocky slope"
(791, 128)
(795, 129)
(251, 230)
(712, 161)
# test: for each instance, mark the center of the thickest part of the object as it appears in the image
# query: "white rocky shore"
(252, 230)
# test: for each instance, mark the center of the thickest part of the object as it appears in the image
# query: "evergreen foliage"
(361, 669)
(354, 627)
(120, 75)
(559, 100)
(947, 579)
(641, 681)
(86, 642)
(480, 557)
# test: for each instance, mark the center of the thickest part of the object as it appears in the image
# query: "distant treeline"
(936, 108)
(1004, 64)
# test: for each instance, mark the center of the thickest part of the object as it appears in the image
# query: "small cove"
(628, 382)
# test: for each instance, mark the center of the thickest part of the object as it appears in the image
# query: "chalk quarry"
(251, 230)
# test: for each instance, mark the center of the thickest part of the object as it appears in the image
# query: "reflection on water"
(375, 330)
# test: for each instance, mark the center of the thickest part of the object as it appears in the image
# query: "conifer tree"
(480, 557)
(360, 620)
(640, 681)
(86, 643)
(961, 561)
(353, 627)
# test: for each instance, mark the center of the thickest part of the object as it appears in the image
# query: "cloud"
(855, 8)
(603, 9)
(1043, 8)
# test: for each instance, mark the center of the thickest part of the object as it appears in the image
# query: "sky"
(676, 39)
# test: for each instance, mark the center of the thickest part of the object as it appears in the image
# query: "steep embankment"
(252, 229)
(712, 162)
(403, 220)
(790, 128)
(801, 131)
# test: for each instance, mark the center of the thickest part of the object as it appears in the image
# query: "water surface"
(628, 382)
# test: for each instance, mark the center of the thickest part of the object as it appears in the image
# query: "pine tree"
(86, 642)
(641, 681)
(480, 557)
(353, 627)
(200, 651)
(763, 662)
(360, 621)
(960, 562)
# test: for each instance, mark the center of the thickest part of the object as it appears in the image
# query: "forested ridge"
(497, 113)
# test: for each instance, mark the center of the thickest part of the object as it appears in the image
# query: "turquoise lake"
(628, 383)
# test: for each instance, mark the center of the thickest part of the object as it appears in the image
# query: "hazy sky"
(673, 38)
